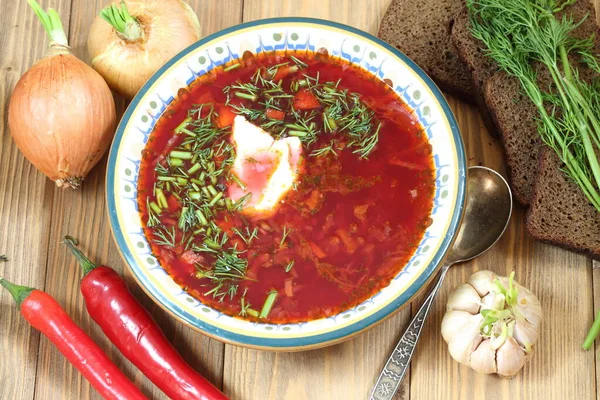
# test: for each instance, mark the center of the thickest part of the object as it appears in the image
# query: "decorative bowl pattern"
(358, 47)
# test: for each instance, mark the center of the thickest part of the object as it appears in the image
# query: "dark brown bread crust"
(515, 117)
(420, 29)
(560, 213)
(481, 67)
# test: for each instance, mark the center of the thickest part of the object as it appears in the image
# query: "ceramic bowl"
(360, 48)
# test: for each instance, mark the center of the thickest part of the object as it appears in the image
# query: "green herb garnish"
(343, 112)
(268, 305)
(165, 237)
(290, 265)
(520, 33)
(284, 236)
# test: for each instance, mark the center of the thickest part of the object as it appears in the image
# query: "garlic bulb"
(491, 324)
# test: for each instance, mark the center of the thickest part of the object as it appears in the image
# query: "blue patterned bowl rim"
(325, 338)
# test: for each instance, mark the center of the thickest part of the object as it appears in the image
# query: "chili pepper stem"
(19, 293)
(85, 262)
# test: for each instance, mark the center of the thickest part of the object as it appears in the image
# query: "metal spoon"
(487, 212)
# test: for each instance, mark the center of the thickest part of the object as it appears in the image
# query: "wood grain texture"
(25, 204)
(34, 216)
(82, 214)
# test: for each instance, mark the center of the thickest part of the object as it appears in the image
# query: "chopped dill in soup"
(286, 187)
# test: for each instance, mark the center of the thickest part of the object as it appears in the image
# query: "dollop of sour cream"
(266, 167)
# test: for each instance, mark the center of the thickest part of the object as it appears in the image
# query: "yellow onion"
(130, 42)
(61, 114)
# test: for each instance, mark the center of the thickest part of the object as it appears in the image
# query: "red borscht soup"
(285, 187)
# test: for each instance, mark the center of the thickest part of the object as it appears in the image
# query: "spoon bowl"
(486, 216)
(487, 213)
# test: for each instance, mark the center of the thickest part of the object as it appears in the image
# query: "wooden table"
(34, 215)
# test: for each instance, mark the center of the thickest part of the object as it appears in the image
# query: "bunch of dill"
(519, 34)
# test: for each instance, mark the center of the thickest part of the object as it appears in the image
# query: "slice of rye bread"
(420, 29)
(481, 67)
(560, 213)
(515, 118)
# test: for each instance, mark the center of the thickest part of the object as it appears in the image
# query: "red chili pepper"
(47, 316)
(131, 328)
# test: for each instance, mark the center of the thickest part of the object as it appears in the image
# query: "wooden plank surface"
(81, 214)
(25, 204)
(346, 371)
(34, 216)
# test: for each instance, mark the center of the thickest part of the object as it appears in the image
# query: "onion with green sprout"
(130, 40)
(62, 113)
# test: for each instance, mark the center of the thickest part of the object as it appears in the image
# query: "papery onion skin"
(169, 26)
(62, 117)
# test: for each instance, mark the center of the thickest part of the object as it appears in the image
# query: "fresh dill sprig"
(250, 235)
(290, 265)
(324, 151)
(298, 62)
(246, 307)
(152, 210)
(286, 232)
(517, 34)
(232, 291)
(367, 143)
(241, 202)
(164, 236)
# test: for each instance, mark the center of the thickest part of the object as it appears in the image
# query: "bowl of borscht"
(286, 184)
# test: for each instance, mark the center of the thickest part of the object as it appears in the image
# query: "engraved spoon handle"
(396, 366)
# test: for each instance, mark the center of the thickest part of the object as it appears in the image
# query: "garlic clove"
(510, 358)
(454, 322)
(464, 298)
(460, 330)
(529, 306)
(483, 359)
(525, 334)
(482, 281)
(487, 301)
